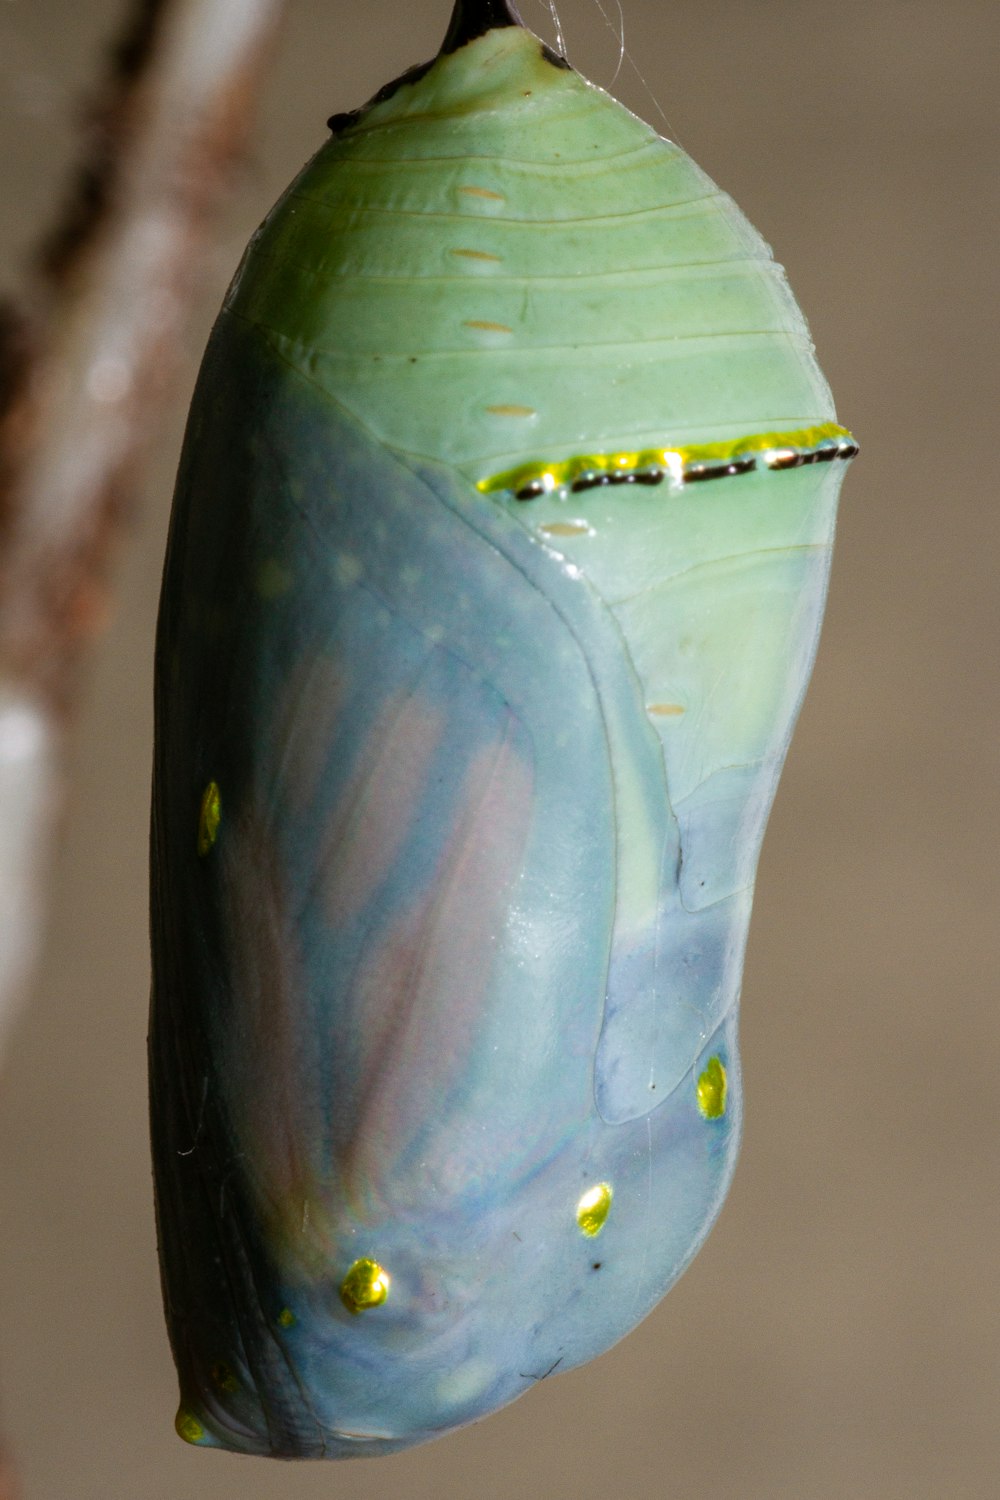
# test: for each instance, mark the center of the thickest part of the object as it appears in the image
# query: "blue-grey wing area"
(379, 990)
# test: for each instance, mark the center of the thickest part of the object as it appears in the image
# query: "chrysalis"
(495, 574)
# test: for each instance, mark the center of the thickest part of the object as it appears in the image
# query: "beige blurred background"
(838, 1336)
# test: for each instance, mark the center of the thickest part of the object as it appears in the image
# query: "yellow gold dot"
(286, 1317)
(209, 818)
(187, 1426)
(365, 1285)
(593, 1209)
(712, 1090)
(223, 1377)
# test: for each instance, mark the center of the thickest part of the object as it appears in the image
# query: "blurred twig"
(8, 1490)
(84, 367)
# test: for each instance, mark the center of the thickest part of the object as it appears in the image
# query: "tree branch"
(85, 374)
(84, 368)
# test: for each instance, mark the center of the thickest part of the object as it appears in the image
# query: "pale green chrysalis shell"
(496, 571)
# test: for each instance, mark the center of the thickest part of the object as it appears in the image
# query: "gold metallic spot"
(782, 458)
(593, 1209)
(511, 409)
(209, 818)
(665, 710)
(487, 327)
(365, 1285)
(480, 192)
(286, 1318)
(187, 1426)
(223, 1377)
(565, 528)
(712, 1087)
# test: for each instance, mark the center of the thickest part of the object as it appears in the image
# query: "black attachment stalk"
(472, 18)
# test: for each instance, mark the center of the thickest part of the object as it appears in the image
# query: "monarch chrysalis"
(496, 569)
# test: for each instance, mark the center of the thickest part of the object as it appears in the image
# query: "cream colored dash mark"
(481, 192)
(511, 410)
(665, 710)
(486, 327)
(566, 528)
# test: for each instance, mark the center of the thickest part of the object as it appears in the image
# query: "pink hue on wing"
(269, 1079)
(424, 991)
(305, 718)
(380, 807)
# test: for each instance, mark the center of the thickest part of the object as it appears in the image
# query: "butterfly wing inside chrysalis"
(495, 574)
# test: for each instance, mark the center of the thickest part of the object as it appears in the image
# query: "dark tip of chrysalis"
(472, 18)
